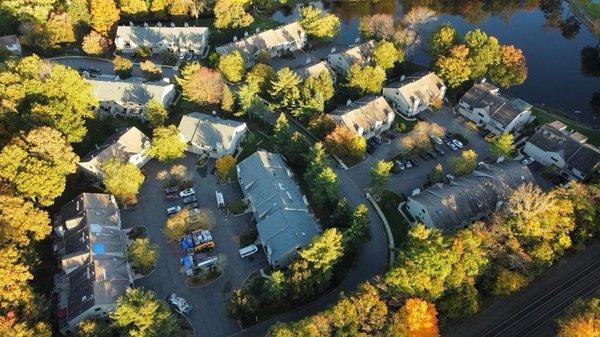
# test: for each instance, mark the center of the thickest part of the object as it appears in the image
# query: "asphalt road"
(532, 311)
(105, 66)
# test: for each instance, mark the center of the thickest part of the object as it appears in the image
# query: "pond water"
(539, 27)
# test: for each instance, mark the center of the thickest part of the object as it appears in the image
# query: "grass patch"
(253, 142)
(592, 8)
(403, 126)
(100, 128)
(389, 206)
(542, 117)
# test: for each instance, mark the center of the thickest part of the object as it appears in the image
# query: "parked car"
(423, 156)
(452, 146)
(392, 134)
(192, 206)
(173, 210)
(432, 154)
(247, 251)
(439, 151)
(436, 140)
(414, 162)
(187, 192)
(370, 148)
(372, 143)
(458, 143)
(170, 190)
(377, 140)
(189, 200)
(527, 161)
(182, 56)
(400, 164)
(179, 304)
(189, 57)
(90, 70)
(172, 197)
(407, 163)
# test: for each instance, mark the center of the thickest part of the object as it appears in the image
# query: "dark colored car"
(440, 151)
(172, 197)
(392, 134)
(377, 140)
(423, 156)
(189, 200)
(414, 162)
(171, 190)
(370, 148)
(432, 154)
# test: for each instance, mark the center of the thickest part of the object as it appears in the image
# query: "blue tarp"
(186, 242)
(187, 261)
(98, 248)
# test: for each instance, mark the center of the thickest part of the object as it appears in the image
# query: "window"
(423, 211)
(556, 160)
(480, 114)
(97, 309)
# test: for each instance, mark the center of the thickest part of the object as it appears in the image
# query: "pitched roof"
(314, 70)
(92, 253)
(500, 108)
(280, 207)
(478, 193)
(360, 54)
(423, 86)
(129, 91)
(291, 32)
(572, 147)
(363, 113)
(208, 130)
(122, 144)
(141, 35)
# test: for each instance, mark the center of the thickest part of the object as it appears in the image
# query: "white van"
(247, 251)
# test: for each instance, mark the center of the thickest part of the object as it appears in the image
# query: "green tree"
(94, 328)
(459, 303)
(243, 306)
(140, 314)
(318, 25)
(247, 96)
(442, 40)
(79, 11)
(142, 254)
(509, 281)
(123, 180)
(134, 8)
(61, 29)
(503, 145)
(105, 15)
(297, 149)
(512, 68)
(454, 69)
(315, 92)
(227, 99)
(261, 76)
(321, 125)
(21, 221)
(324, 250)
(380, 175)
(123, 66)
(15, 290)
(367, 79)
(232, 66)
(321, 179)
(285, 92)
(282, 132)
(436, 174)
(166, 144)
(359, 229)
(484, 51)
(95, 44)
(59, 98)
(232, 13)
(156, 113)
(464, 164)
(423, 264)
(35, 165)
(386, 55)
(586, 207)
(275, 286)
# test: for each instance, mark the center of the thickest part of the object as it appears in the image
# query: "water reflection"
(563, 56)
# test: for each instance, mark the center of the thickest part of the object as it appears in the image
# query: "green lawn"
(389, 206)
(592, 8)
(543, 116)
(253, 142)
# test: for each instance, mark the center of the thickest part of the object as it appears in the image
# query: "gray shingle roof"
(572, 147)
(500, 108)
(477, 193)
(208, 130)
(314, 70)
(290, 33)
(280, 207)
(141, 35)
(423, 85)
(363, 113)
(358, 54)
(129, 91)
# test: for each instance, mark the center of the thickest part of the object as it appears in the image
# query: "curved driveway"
(105, 66)
(371, 261)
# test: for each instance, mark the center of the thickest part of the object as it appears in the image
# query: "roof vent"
(402, 78)
(348, 102)
(483, 80)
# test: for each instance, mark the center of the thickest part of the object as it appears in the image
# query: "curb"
(388, 230)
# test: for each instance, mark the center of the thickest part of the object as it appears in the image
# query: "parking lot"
(409, 179)
(209, 313)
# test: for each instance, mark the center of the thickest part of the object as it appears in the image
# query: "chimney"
(185, 24)
(357, 40)
(130, 24)
(235, 38)
(308, 60)
(348, 102)
(333, 50)
(158, 24)
(257, 30)
(172, 24)
(246, 34)
(146, 24)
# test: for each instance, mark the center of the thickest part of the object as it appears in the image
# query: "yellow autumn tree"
(417, 318)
